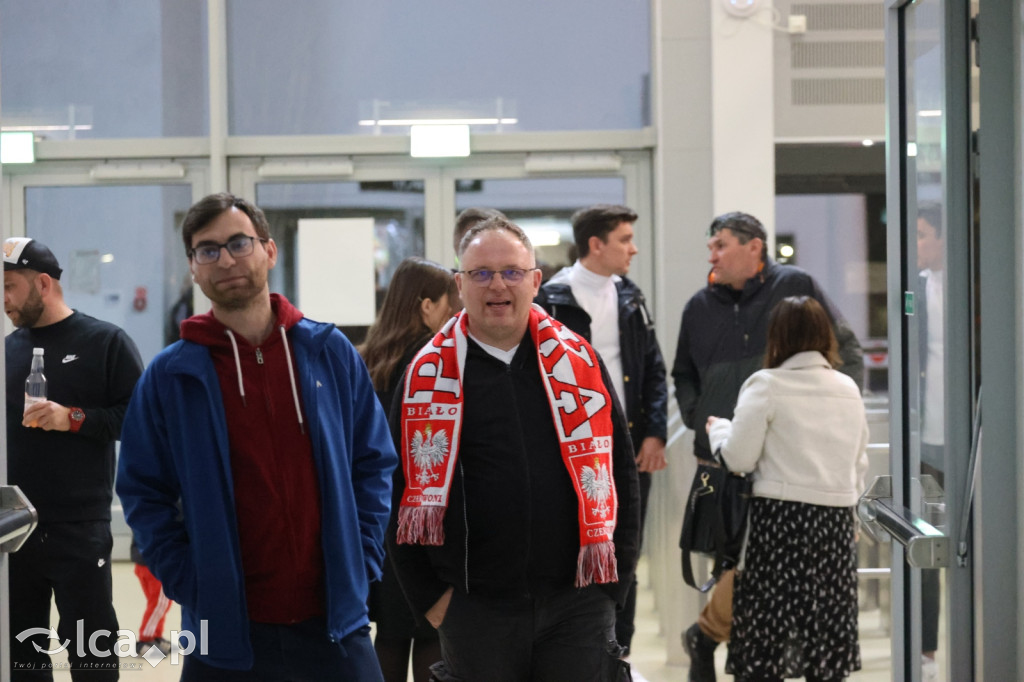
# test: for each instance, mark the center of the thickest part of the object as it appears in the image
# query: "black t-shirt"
(90, 364)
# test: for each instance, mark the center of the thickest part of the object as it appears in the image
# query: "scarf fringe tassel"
(596, 564)
(421, 526)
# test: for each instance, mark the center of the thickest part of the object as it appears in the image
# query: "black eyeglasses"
(510, 276)
(239, 247)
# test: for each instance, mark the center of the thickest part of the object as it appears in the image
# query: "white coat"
(802, 429)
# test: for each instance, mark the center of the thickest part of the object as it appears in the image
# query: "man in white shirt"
(595, 299)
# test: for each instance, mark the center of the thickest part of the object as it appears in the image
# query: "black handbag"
(715, 520)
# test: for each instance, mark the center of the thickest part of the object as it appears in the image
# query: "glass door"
(412, 205)
(118, 240)
(542, 207)
(933, 317)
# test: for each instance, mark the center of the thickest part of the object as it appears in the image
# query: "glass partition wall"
(932, 325)
(137, 111)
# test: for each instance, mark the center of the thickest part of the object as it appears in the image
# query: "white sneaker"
(929, 669)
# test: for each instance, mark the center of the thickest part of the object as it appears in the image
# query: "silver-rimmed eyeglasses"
(238, 246)
(510, 276)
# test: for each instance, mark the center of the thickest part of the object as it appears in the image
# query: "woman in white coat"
(801, 428)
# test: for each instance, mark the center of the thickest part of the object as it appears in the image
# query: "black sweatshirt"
(89, 364)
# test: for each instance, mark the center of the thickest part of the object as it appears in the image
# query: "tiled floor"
(648, 658)
(130, 603)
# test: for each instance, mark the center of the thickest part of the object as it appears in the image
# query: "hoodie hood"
(207, 330)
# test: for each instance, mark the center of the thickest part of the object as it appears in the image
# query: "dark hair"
(495, 223)
(597, 221)
(931, 212)
(744, 226)
(206, 210)
(399, 323)
(470, 217)
(797, 324)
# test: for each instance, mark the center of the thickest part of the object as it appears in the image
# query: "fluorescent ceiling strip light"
(543, 237)
(438, 121)
(137, 171)
(45, 129)
(295, 169)
(930, 113)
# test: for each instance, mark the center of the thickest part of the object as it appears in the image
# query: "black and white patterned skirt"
(795, 603)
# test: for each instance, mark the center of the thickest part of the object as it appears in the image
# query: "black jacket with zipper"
(643, 368)
(511, 528)
(722, 341)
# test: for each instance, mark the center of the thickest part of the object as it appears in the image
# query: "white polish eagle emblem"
(428, 450)
(597, 486)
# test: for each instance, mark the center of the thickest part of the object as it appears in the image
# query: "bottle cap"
(37, 351)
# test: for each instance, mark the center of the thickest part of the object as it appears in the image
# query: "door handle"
(925, 545)
(972, 471)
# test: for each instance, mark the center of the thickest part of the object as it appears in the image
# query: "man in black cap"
(61, 453)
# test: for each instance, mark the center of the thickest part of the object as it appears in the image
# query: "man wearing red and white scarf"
(518, 507)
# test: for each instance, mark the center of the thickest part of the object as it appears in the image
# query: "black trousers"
(624, 625)
(566, 637)
(931, 592)
(71, 561)
(296, 653)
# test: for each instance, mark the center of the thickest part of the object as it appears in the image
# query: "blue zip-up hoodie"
(174, 445)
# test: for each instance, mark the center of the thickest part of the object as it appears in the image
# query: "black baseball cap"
(25, 253)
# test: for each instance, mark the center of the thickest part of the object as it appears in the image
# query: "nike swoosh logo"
(69, 358)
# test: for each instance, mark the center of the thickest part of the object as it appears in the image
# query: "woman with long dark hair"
(421, 297)
(800, 427)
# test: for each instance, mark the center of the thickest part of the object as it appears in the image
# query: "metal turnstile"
(18, 518)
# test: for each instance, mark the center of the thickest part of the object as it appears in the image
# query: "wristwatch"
(76, 416)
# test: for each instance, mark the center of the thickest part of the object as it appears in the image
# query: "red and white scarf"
(581, 408)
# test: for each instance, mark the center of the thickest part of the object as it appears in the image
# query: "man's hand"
(707, 427)
(47, 415)
(652, 455)
(437, 612)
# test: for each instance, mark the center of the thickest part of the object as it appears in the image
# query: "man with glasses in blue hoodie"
(265, 426)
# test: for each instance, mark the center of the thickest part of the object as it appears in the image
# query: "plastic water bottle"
(35, 384)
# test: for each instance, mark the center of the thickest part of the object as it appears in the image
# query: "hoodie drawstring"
(291, 375)
(238, 364)
(291, 372)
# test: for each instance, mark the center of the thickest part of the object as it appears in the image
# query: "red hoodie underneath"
(277, 495)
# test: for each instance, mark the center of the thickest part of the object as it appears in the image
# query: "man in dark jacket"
(596, 300)
(508, 537)
(721, 343)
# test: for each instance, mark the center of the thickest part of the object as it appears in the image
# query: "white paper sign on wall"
(335, 270)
